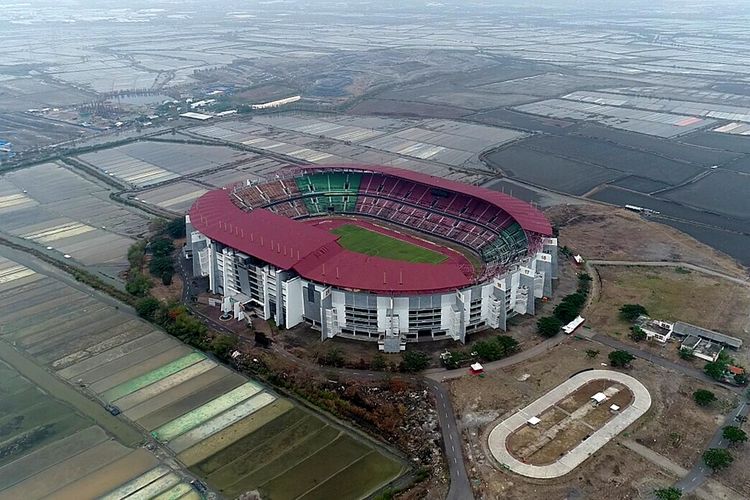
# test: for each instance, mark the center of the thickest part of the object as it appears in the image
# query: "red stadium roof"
(315, 253)
(261, 233)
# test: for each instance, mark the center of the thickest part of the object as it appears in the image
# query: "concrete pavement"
(573, 458)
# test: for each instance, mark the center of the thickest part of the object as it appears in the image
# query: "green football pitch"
(361, 240)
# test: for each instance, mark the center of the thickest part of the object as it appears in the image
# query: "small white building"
(598, 398)
(533, 421)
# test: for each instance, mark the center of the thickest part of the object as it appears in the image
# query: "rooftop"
(686, 329)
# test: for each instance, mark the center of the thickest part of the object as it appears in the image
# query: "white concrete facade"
(250, 286)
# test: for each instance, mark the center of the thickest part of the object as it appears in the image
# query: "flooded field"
(51, 206)
(233, 432)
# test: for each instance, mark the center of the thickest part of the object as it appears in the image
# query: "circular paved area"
(498, 436)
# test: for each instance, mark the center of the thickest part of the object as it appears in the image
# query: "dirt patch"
(607, 233)
(674, 426)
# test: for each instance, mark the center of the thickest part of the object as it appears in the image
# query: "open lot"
(674, 426)
(605, 233)
(196, 407)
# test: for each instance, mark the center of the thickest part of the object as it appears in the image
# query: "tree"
(175, 228)
(637, 333)
(414, 361)
(161, 247)
(488, 350)
(334, 357)
(670, 493)
(147, 308)
(378, 363)
(548, 326)
(630, 312)
(508, 344)
(223, 345)
(138, 284)
(592, 353)
(717, 458)
(734, 434)
(620, 359)
(740, 378)
(687, 354)
(704, 397)
(166, 278)
(715, 369)
(161, 265)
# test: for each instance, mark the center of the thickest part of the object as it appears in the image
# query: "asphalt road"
(460, 488)
(700, 470)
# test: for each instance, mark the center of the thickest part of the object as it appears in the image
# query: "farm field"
(235, 433)
(359, 239)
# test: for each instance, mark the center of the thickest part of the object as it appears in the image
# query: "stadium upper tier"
(259, 220)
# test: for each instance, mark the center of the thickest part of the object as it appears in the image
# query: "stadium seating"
(466, 220)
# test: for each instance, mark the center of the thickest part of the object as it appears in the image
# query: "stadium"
(372, 253)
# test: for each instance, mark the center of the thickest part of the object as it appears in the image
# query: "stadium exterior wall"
(251, 287)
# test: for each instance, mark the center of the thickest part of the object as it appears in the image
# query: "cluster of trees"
(161, 265)
(717, 370)
(567, 310)
(492, 349)
(177, 320)
(414, 361)
(721, 458)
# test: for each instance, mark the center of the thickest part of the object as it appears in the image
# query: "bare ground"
(607, 233)
(670, 294)
(674, 426)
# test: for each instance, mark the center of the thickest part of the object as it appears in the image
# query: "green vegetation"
(334, 357)
(734, 434)
(138, 284)
(572, 305)
(686, 354)
(361, 240)
(637, 333)
(378, 363)
(548, 326)
(704, 397)
(620, 359)
(414, 361)
(492, 349)
(717, 458)
(670, 493)
(716, 369)
(496, 348)
(630, 312)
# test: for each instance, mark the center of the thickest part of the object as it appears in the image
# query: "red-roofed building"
(262, 248)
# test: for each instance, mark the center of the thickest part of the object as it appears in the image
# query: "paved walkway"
(499, 435)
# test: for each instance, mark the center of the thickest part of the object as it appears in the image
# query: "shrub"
(630, 312)
(548, 326)
(147, 308)
(414, 361)
(138, 284)
(704, 397)
(734, 434)
(620, 359)
(717, 458)
(637, 333)
(670, 493)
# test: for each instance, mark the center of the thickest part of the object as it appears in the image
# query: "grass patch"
(361, 240)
